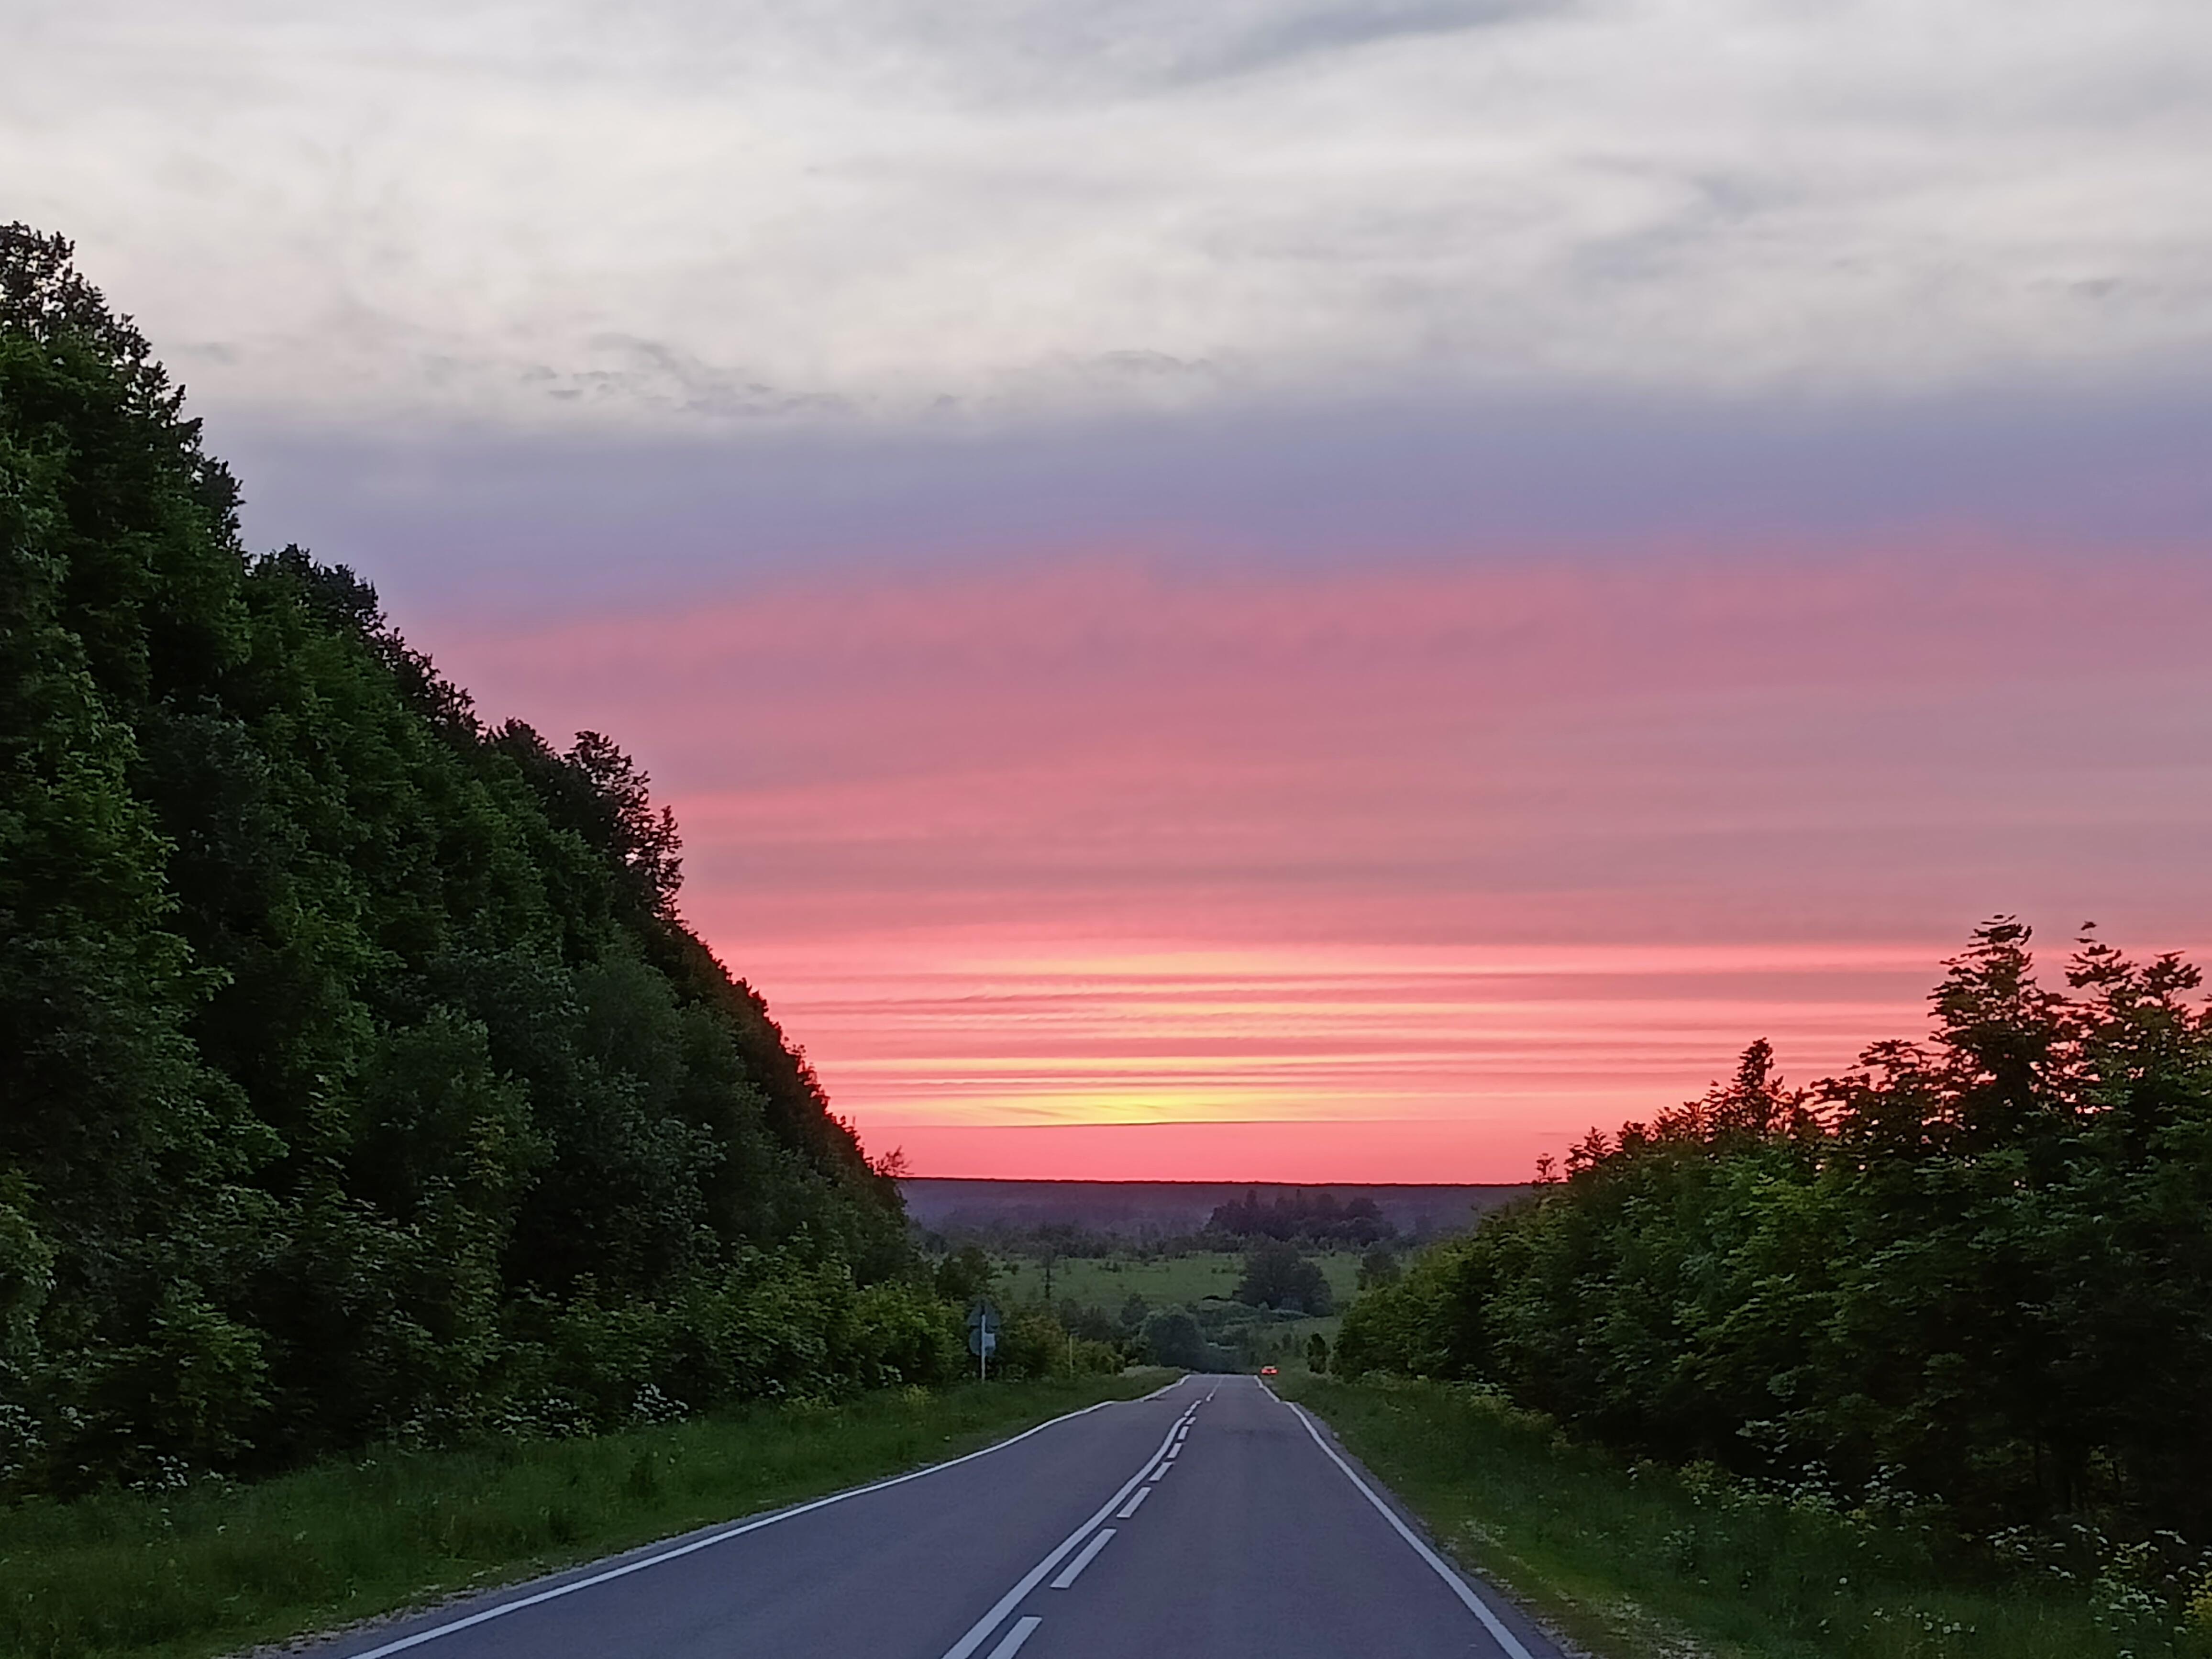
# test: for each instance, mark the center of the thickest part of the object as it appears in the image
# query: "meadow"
(1202, 1280)
(1636, 1561)
(1107, 1282)
(211, 1567)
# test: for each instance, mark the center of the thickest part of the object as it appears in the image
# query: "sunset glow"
(1375, 786)
(1115, 868)
(1234, 590)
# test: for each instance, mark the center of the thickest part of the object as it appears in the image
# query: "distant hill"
(1135, 1209)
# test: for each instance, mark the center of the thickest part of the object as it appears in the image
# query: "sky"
(1294, 592)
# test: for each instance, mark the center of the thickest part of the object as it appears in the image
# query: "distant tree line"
(1319, 1217)
(1278, 1283)
(1977, 1271)
(358, 1077)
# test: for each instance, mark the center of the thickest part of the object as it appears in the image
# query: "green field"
(1201, 1280)
(211, 1569)
(1638, 1562)
(1107, 1282)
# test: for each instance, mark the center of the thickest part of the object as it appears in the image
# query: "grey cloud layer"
(680, 215)
(557, 522)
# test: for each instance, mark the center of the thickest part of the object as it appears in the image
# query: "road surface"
(1211, 1519)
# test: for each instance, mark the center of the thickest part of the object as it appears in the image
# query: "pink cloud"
(1483, 853)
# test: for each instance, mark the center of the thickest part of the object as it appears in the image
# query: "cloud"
(990, 211)
(1500, 850)
(1105, 517)
(1120, 45)
(447, 519)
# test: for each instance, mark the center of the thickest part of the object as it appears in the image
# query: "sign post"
(983, 1337)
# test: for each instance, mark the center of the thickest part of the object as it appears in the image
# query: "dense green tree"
(1317, 1217)
(1978, 1268)
(1277, 1276)
(1380, 1266)
(965, 1275)
(1173, 1337)
(357, 1074)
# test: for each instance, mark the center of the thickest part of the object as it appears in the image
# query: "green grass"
(1637, 1563)
(209, 1569)
(1107, 1282)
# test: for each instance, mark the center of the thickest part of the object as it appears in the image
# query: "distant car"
(1266, 1370)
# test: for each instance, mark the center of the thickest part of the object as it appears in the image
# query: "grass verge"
(211, 1568)
(1638, 1562)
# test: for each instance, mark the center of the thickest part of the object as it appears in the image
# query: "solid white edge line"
(721, 1536)
(1028, 1581)
(1073, 1570)
(1024, 1629)
(1490, 1622)
(1130, 1508)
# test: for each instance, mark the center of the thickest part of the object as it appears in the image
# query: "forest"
(1315, 1217)
(359, 1078)
(1970, 1278)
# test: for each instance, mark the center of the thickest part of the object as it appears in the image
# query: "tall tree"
(357, 1067)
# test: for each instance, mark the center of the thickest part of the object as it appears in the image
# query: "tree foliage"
(1314, 1217)
(357, 1075)
(1277, 1276)
(1378, 1267)
(1174, 1337)
(1978, 1269)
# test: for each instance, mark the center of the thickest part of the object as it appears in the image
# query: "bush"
(1173, 1338)
(1277, 1276)
(360, 1076)
(1978, 1271)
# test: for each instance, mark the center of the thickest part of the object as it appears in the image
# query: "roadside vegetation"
(363, 1080)
(394, 1191)
(1636, 1560)
(209, 1566)
(1263, 1278)
(1951, 1313)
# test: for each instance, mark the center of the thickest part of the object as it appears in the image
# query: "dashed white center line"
(705, 1540)
(1022, 1629)
(1163, 1468)
(1130, 1508)
(1067, 1574)
(1175, 1451)
(980, 1631)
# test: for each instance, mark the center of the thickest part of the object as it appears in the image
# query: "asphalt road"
(1211, 1519)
